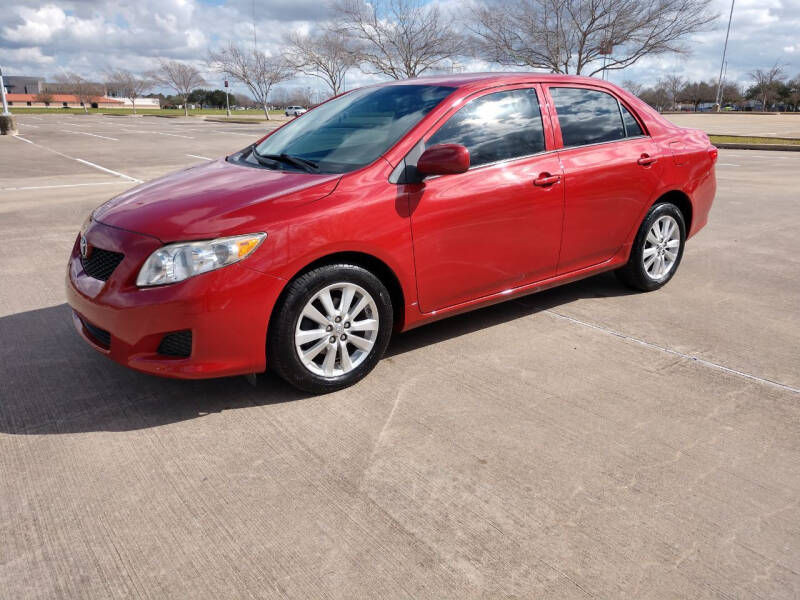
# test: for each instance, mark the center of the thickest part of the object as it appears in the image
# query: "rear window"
(587, 116)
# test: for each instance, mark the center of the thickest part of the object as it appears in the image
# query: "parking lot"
(583, 442)
(785, 125)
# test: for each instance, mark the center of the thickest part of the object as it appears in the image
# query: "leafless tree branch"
(255, 69)
(181, 77)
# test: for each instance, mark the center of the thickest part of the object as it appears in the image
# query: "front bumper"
(227, 311)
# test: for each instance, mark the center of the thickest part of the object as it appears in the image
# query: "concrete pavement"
(583, 442)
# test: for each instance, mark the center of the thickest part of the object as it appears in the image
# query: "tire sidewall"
(281, 346)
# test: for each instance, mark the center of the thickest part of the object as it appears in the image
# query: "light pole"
(227, 101)
(3, 93)
(722, 65)
(8, 124)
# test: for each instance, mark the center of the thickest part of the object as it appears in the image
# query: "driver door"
(498, 225)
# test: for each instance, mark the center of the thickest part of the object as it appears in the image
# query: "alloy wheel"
(336, 329)
(661, 247)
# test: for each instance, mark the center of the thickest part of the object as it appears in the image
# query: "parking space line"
(92, 134)
(198, 156)
(29, 125)
(727, 165)
(250, 135)
(63, 185)
(80, 160)
(697, 359)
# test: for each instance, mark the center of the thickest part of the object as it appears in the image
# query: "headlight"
(176, 262)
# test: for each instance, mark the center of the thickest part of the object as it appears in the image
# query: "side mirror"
(443, 159)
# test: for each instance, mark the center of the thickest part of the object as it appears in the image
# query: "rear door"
(491, 228)
(611, 171)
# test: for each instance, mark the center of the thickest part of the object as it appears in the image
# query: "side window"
(587, 116)
(632, 127)
(496, 127)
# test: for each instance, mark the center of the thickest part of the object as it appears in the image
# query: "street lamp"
(722, 65)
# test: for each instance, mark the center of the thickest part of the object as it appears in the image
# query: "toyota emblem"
(84, 247)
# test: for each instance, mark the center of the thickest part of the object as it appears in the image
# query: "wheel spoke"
(652, 236)
(362, 304)
(361, 343)
(365, 325)
(312, 352)
(648, 263)
(670, 225)
(309, 335)
(330, 359)
(671, 255)
(312, 313)
(327, 303)
(347, 364)
(673, 243)
(648, 252)
(347, 299)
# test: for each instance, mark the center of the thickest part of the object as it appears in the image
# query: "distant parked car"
(294, 111)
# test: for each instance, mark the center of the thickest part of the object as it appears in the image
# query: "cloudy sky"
(88, 36)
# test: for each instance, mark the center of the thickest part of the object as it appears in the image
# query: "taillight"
(713, 152)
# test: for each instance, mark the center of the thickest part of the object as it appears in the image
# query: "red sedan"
(383, 209)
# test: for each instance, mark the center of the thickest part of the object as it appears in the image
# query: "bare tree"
(80, 87)
(657, 96)
(698, 92)
(44, 97)
(328, 56)
(401, 38)
(634, 88)
(583, 36)
(181, 77)
(258, 71)
(766, 82)
(128, 84)
(673, 84)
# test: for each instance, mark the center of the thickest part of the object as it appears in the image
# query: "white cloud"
(91, 35)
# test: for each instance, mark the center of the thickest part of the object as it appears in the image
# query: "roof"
(69, 98)
(464, 79)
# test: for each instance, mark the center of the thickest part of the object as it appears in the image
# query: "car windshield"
(353, 130)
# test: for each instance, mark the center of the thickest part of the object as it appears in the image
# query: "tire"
(654, 242)
(355, 340)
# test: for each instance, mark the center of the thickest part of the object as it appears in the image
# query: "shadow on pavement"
(52, 382)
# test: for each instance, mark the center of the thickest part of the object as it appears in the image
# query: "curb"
(781, 147)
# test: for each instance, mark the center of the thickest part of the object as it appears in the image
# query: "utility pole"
(722, 65)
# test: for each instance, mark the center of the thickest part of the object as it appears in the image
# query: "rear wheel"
(657, 249)
(331, 328)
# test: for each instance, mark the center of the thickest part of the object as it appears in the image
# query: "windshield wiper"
(304, 164)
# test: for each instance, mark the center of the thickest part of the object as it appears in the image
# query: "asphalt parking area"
(582, 442)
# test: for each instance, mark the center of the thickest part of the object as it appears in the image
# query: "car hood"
(210, 200)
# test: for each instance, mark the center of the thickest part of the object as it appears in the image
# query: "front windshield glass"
(353, 130)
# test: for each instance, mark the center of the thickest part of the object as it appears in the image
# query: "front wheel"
(331, 328)
(657, 249)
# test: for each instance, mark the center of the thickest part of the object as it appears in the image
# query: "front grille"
(101, 336)
(178, 343)
(100, 263)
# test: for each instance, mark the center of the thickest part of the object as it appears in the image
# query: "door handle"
(646, 160)
(545, 180)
